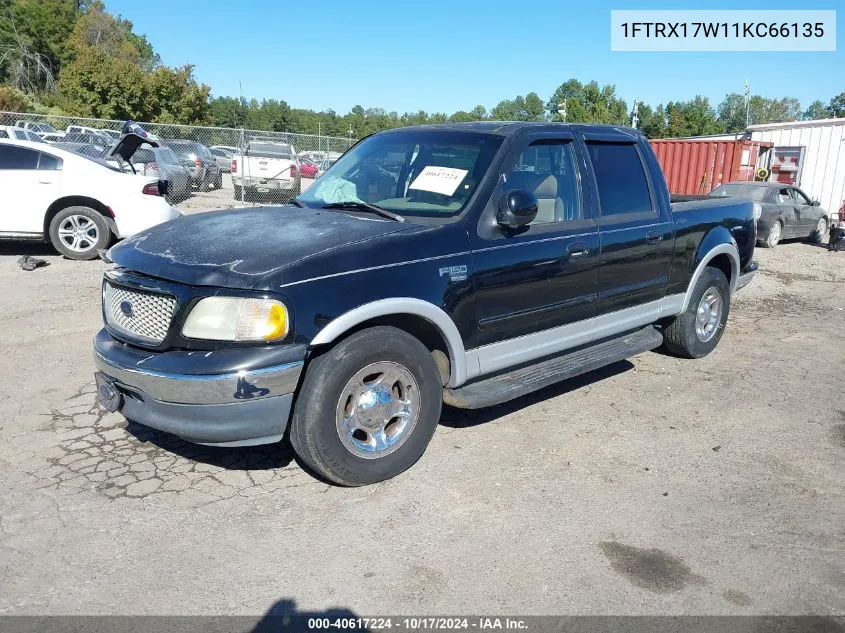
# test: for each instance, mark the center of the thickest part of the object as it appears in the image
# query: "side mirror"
(816, 203)
(516, 209)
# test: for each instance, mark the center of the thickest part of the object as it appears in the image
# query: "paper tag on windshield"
(443, 180)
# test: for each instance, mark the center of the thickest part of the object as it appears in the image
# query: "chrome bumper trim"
(205, 389)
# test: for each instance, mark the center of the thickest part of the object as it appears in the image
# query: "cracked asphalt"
(654, 486)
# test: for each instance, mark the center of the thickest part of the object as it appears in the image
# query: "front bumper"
(230, 397)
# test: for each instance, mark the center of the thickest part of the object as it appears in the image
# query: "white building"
(807, 154)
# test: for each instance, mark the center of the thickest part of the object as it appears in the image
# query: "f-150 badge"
(456, 273)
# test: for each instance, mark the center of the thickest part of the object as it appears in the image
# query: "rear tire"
(239, 192)
(367, 408)
(218, 183)
(79, 232)
(773, 238)
(696, 332)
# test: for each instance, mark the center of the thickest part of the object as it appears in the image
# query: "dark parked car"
(782, 211)
(161, 162)
(465, 263)
(223, 157)
(205, 173)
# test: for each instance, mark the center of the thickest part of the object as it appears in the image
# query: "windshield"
(415, 172)
(754, 192)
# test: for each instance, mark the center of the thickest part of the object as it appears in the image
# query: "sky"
(448, 55)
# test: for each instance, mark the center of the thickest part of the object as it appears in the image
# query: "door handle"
(45, 182)
(577, 249)
(653, 236)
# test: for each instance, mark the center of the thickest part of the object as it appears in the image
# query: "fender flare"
(403, 305)
(728, 249)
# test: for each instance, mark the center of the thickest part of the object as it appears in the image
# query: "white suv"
(76, 202)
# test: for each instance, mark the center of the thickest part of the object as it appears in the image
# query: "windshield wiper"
(364, 206)
(297, 203)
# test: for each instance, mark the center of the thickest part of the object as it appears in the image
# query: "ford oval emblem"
(126, 308)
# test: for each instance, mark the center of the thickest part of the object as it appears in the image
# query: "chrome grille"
(137, 314)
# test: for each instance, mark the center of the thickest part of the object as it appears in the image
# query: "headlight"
(237, 319)
(758, 210)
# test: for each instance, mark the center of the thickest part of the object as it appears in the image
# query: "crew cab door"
(636, 234)
(30, 181)
(543, 275)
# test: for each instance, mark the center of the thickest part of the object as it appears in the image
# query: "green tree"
(652, 121)
(13, 100)
(588, 103)
(760, 110)
(99, 85)
(816, 110)
(99, 30)
(174, 96)
(33, 40)
(692, 118)
(527, 108)
(836, 107)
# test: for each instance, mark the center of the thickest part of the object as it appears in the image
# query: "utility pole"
(635, 114)
(561, 110)
(747, 100)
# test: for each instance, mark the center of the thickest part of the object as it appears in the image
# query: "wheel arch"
(419, 318)
(77, 201)
(716, 253)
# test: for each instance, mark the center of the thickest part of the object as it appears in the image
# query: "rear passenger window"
(548, 170)
(13, 157)
(49, 162)
(620, 178)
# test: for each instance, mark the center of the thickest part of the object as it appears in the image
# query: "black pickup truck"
(467, 264)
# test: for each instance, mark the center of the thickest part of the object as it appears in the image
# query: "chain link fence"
(207, 167)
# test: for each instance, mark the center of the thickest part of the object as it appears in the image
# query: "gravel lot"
(655, 486)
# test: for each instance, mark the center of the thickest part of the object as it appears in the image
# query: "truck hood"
(242, 248)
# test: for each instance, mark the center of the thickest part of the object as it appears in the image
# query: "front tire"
(367, 408)
(817, 236)
(696, 332)
(79, 232)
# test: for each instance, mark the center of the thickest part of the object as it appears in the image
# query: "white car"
(76, 202)
(19, 133)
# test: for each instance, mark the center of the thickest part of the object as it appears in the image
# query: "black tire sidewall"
(817, 237)
(91, 214)
(711, 277)
(326, 376)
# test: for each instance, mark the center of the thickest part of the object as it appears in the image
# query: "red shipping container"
(697, 166)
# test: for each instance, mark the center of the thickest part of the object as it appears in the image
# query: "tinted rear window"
(270, 150)
(753, 192)
(13, 157)
(620, 178)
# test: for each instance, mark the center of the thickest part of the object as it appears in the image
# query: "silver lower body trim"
(745, 279)
(205, 389)
(490, 358)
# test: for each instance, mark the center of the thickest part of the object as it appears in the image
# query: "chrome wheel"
(78, 233)
(821, 230)
(774, 235)
(709, 315)
(378, 409)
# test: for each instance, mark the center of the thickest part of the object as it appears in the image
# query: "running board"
(512, 384)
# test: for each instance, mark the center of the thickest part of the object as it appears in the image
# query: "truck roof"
(507, 128)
